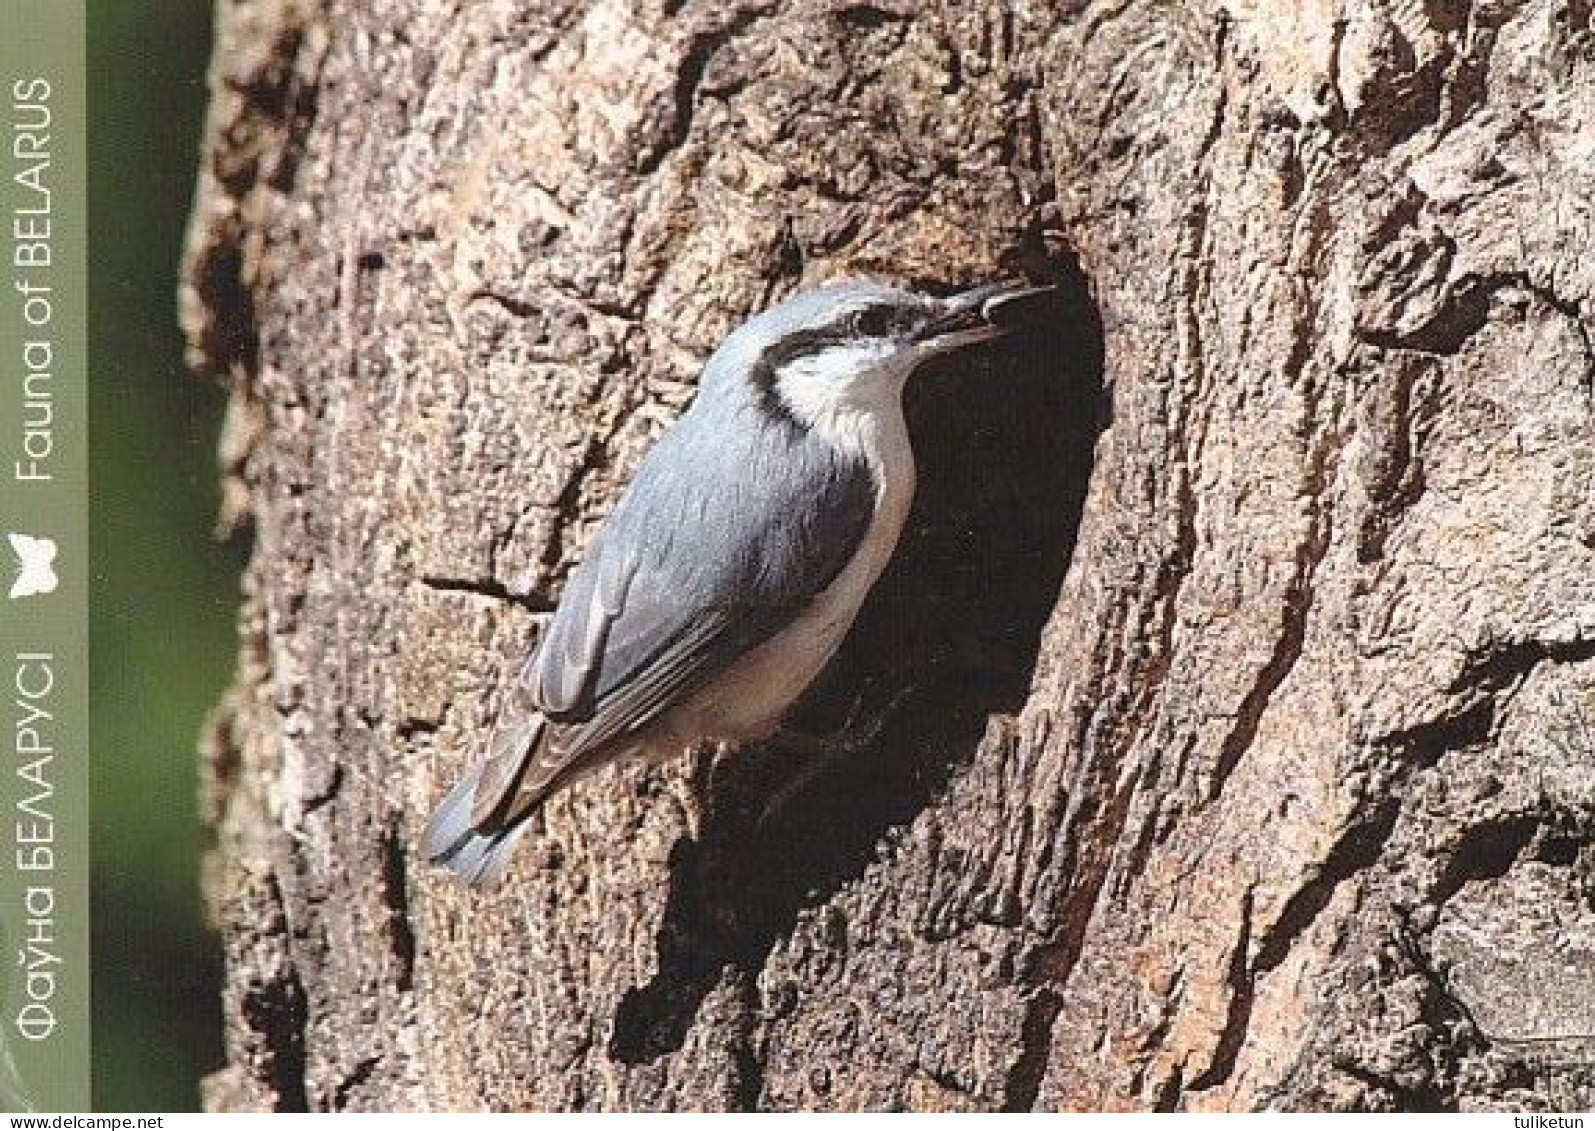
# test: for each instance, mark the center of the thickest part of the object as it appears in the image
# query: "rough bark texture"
(1249, 616)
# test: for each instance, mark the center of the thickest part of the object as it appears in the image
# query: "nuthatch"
(735, 561)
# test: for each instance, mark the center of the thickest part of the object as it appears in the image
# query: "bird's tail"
(478, 854)
(475, 828)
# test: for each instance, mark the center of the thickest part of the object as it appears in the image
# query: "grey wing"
(709, 553)
(721, 538)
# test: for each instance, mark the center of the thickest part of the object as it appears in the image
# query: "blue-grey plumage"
(734, 562)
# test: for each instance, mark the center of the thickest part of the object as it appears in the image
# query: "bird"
(735, 560)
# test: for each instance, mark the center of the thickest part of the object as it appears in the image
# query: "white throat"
(862, 416)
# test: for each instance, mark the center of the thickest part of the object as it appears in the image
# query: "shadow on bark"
(951, 633)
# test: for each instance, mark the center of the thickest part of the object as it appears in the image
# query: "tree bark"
(1245, 627)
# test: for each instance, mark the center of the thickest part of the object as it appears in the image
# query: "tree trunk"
(1245, 629)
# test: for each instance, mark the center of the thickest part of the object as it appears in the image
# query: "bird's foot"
(821, 753)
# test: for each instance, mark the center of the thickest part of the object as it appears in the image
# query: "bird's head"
(853, 345)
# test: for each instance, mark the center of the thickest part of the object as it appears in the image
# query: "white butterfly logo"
(35, 566)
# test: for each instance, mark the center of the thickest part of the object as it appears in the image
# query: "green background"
(163, 591)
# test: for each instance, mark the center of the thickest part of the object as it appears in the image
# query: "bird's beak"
(981, 314)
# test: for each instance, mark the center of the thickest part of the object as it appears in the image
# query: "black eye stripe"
(879, 320)
(802, 343)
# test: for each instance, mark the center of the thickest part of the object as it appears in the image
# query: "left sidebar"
(44, 810)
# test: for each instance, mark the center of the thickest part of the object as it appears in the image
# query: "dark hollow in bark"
(947, 638)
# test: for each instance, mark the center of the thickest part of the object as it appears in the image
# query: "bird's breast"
(748, 700)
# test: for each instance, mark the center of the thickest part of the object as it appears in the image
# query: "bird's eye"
(873, 322)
